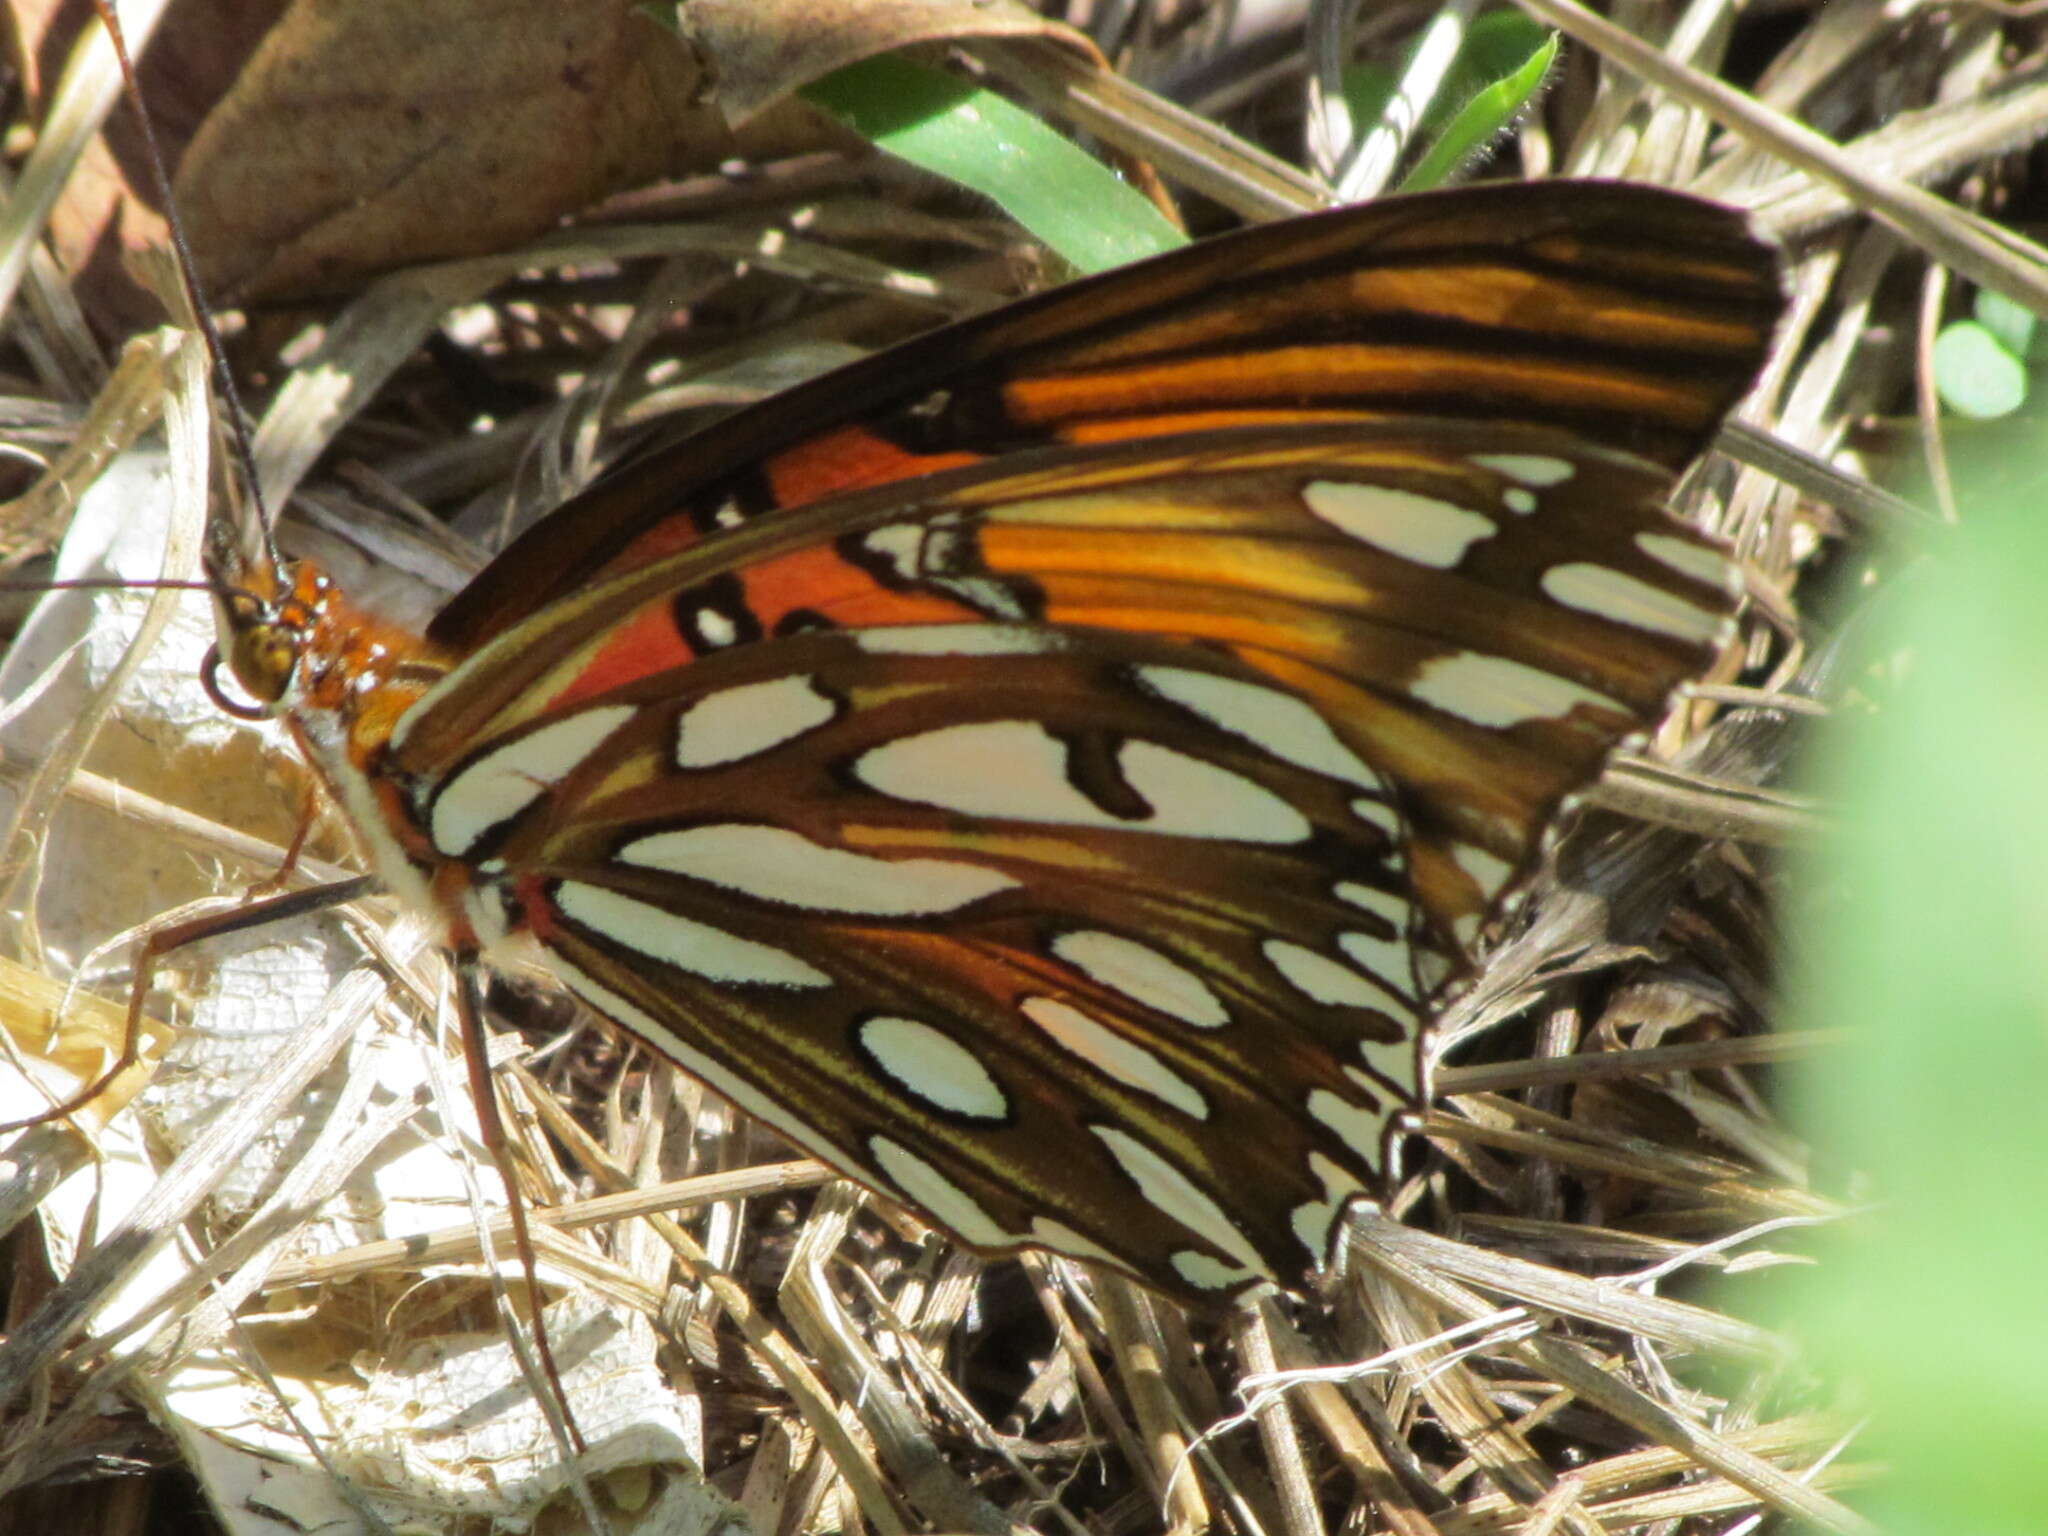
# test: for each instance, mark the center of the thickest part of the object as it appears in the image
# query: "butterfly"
(1053, 769)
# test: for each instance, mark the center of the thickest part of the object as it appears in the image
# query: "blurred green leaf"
(2017, 329)
(1974, 372)
(1925, 932)
(1079, 208)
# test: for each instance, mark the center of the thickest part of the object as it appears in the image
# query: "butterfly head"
(266, 622)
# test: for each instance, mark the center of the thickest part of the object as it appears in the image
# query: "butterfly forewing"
(1629, 317)
(1083, 869)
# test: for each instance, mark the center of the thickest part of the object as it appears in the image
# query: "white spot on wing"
(1323, 980)
(1701, 562)
(959, 640)
(1017, 770)
(1316, 1220)
(1378, 813)
(1424, 529)
(736, 723)
(1206, 1272)
(682, 942)
(1609, 594)
(1518, 501)
(775, 864)
(1359, 1129)
(1143, 975)
(1372, 899)
(503, 782)
(934, 1066)
(950, 1205)
(1277, 722)
(1488, 873)
(1537, 469)
(1386, 959)
(1494, 692)
(1167, 1188)
(1104, 1049)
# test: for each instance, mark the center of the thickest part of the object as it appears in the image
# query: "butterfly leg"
(483, 1093)
(171, 937)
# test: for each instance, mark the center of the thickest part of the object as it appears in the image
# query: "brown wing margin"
(1629, 315)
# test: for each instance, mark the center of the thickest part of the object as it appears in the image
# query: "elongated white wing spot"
(1104, 1049)
(1143, 975)
(1385, 960)
(737, 723)
(1384, 904)
(1492, 691)
(1275, 722)
(1610, 594)
(1537, 469)
(1206, 1272)
(1488, 873)
(1424, 529)
(1698, 562)
(1379, 813)
(1315, 1221)
(1174, 1193)
(706, 1069)
(1360, 1129)
(1191, 798)
(931, 1065)
(776, 864)
(683, 942)
(960, 640)
(923, 1185)
(1329, 982)
(505, 781)
(1017, 770)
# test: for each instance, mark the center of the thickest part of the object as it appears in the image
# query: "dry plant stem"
(795, 1376)
(86, 93)
(185, 423)
(175, 1195)
(1186, 148)
(1665, 796)
(2014, 268)
(1138, 1363)
(1561, 1362)
(1508, 1076)
(462, 1244)
(1253, 1337)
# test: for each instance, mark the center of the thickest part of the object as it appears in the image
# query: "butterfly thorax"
(340, 679)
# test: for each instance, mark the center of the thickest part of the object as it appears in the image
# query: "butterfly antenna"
(202, 312)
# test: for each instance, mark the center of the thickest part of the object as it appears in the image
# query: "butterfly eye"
(262, 655)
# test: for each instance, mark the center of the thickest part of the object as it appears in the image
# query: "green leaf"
(1975, 374)
(1507, 56)
(1079, 208)
(1922, 935)
(1501, 64)
(2017, 329)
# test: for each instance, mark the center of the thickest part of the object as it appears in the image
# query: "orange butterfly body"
(1050, 770)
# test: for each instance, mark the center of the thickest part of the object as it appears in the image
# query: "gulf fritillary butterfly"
(1050, 770)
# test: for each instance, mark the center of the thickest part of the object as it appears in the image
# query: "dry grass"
(1551, 1336)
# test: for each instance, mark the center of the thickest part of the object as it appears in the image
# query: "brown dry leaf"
(759, 50)
(379, 133)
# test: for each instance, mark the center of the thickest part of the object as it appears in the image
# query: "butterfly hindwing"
(1084, 873)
